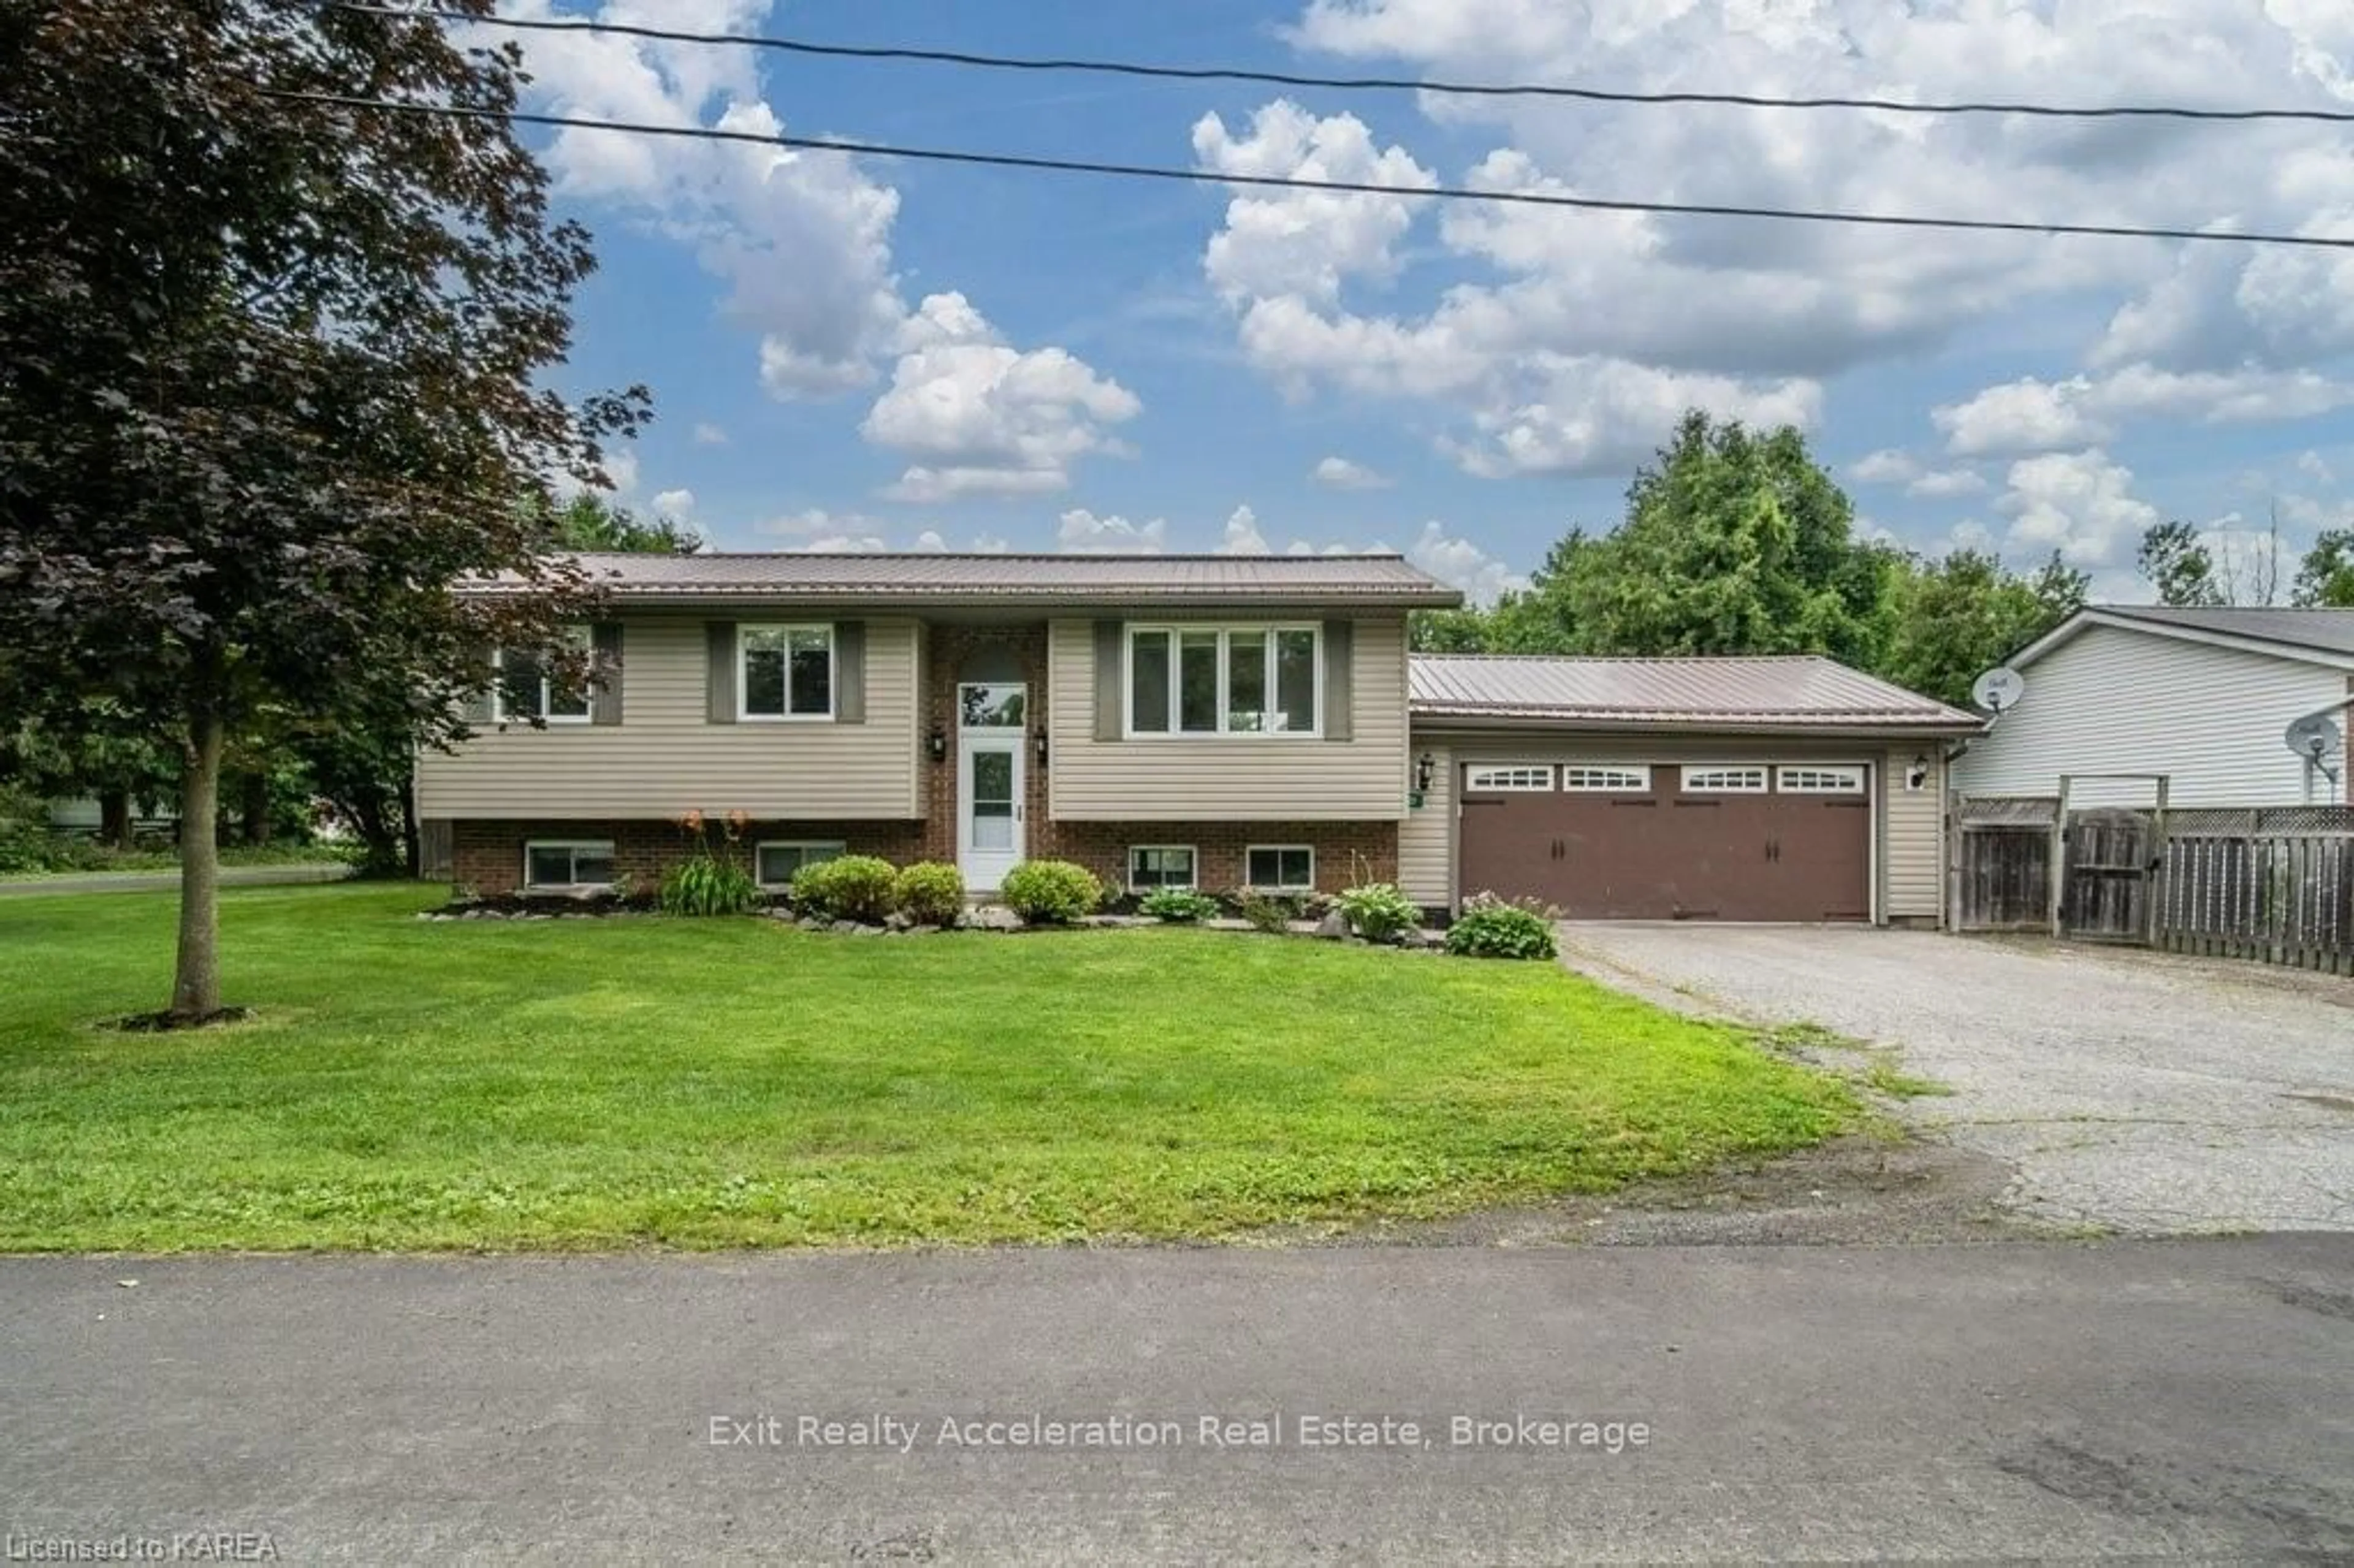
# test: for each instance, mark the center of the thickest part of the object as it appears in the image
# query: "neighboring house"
(2204, 696)
(1216, 722)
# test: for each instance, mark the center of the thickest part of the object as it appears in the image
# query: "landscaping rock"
(992, 917)
(1333, 927)
(1222, 924)
(814, 923)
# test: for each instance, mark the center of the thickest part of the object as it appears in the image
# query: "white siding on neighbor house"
(2111, 700)
(1909, 825)
(665, 758)
(1240, 779)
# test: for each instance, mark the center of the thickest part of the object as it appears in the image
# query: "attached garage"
(1738, 789)
(1750, 840)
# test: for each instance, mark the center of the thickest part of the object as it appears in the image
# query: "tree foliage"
(2179, 567)
(2325, 576)
(1736, 543)
(592, 522)
(270, 376)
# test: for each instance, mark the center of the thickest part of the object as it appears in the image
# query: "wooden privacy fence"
(2273, 884)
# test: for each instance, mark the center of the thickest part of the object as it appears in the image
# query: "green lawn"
(701, 1084)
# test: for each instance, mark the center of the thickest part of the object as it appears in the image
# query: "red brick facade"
(488, 855)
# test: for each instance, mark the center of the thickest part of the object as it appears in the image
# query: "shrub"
(704, 884)
(1270, 911)
(1493, 927)
(1050, 892)
(929, 893)
(853, 888)
(1177, 904)
(1378, 911)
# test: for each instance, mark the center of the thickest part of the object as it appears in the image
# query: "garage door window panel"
(1725, 778)
(1585, 778)
(1504, 779)
(1818, 780)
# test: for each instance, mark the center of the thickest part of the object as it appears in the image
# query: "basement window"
(776, 860)
(1159, 865)
(567, 866)
(1280, 868)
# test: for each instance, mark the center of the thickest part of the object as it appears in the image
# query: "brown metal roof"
(995, 579)
(1796, 692)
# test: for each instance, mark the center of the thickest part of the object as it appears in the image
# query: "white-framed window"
(526, 690)
(1724, 778)
(568, 864)
(784, 672)
(1520, 777)
(1814, 779)
(1224, 681)
(774, 861)
(1279, 868)
(1159, 865)
(1585, 778)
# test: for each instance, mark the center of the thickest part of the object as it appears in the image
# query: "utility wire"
(1278, 182)
(1338, 83)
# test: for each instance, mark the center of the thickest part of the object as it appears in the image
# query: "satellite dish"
(1999, 690)
(2312, 737)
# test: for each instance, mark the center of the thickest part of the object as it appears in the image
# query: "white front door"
(989, 808)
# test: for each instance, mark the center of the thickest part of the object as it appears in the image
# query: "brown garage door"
(1746, 840)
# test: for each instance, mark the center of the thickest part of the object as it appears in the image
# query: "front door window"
(992, 800)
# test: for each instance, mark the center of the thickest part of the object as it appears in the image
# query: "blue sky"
(872, 353)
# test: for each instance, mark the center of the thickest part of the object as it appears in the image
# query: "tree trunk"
(196, 984)
(114, 819)
(412, 841)
(256, 808)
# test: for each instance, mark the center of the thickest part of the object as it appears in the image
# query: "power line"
(1340, 83)
(1280, 182)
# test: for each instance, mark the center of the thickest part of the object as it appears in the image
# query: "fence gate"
(2001, 877)
(2111, 859)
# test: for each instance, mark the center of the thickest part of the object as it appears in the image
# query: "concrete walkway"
(169, 881)
(2007, 1402)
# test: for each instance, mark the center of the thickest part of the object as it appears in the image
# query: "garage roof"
(1797, 691)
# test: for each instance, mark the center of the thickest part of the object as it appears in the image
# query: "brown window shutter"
(720, 682)
(850, 672)
(1111, 709)
(1340, 667)
(605, 695)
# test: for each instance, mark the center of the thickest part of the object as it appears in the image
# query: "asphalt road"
(2016, 1400)
(2138, 1092)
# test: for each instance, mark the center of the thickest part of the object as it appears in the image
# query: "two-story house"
(1212, 722)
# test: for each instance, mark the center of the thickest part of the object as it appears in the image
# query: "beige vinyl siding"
(1908, 825)
(1912, 835)
(2113, 700)
(1261, 779)
(1426, 837)
(666, 756)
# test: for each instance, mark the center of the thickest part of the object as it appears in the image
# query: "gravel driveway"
(2135, 1091)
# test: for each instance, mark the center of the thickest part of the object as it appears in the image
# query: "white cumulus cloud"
(1340, 473)
(979, 417)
